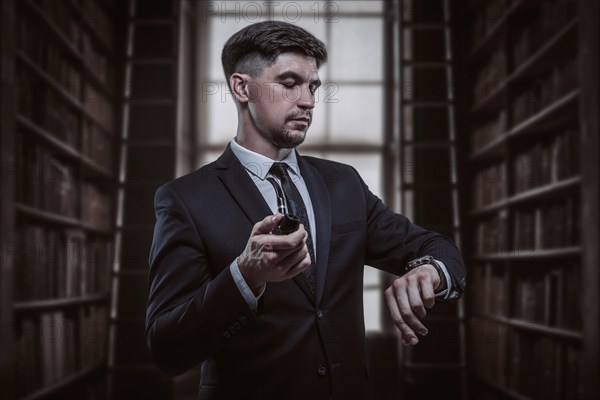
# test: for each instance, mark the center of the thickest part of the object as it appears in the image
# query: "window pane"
(306, 14)
(316, 133)
(356, 49)
(357, 114)
(221, 29)
(358, 6)
(221, 114)
(372, 309)
(367, 165)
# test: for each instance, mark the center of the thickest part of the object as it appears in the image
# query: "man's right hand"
(273, 258)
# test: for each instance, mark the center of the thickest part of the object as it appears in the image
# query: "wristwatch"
(417, 262)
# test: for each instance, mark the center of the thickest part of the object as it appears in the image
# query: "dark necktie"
(297, 207)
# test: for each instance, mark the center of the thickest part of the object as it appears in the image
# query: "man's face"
(282, 99)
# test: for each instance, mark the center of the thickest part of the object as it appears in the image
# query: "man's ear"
(239, 87)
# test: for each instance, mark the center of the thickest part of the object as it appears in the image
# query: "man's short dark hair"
(257, 46)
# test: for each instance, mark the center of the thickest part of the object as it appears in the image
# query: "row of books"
(552, 224)
(71, 263)
(491, 235)
(45, 181)
(67, 17)
(547, 294)
(550, 296)
(542, 92)
(487, 18)
(65, 70)
(97, 145)
(547, 161)
(99, 20)
(490, 77)
(53, 345)
(63, 16)
(96, 206)
(489, 132)
(490, 185)
(97, 61)
(38, 49)
(541, 367)
(553, 15)
(99, 107)
(549, 225)
(534, 366)
(43, 106)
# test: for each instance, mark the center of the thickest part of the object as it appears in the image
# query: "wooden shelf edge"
(51, 217)
(520, 255)
(65, 149)
(55, 31)
(488, 147)
(528, 195)
(545, 48)
(544, 190)
(499, 387)
(71, 48)
(48, 390)
(58, 303)
(69, 97)
(543, 114)
(533, 327)
(495, 206)
(496, 95)
(526, 65)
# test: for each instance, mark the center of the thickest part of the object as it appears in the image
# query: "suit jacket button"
(237, 326)
(322, 370)
(242, 320)
(226, 334)
(320, 314)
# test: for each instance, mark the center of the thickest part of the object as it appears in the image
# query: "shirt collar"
(259, 165)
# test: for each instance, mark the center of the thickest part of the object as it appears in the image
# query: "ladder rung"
(417, 25)
(426, 64)
(427, 103)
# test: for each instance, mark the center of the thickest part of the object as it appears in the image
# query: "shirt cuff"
(247, 293)
(447, 293)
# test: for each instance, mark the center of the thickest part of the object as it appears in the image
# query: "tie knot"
(279, 169)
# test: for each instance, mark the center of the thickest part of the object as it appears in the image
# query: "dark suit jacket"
(296, 346)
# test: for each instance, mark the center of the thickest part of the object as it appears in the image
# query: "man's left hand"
(408, 299)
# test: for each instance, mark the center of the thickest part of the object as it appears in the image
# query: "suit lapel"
(239, 184)
(320, 201)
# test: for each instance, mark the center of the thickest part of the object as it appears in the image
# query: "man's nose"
(307, 99)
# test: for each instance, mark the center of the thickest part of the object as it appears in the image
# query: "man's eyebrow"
(293, 75)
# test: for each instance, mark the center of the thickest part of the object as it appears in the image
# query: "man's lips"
(306, 120)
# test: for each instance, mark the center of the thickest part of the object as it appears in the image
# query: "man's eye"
(289, 84)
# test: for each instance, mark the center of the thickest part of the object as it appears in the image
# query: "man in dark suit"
(270, 315)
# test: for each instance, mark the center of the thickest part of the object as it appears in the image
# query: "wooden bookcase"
(527, 164)
(58, 201)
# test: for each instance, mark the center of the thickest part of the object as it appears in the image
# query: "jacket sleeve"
(191, 312)
(393, 240)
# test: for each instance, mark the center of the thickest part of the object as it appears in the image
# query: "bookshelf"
(58, 199)
(528, 206)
